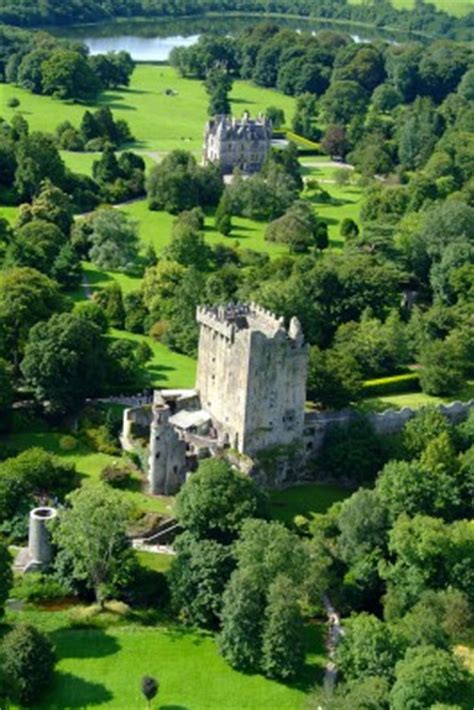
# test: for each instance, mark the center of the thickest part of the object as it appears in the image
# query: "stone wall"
(391, 421)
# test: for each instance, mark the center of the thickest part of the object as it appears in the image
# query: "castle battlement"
(233, 318)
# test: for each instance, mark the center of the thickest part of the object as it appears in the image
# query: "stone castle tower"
(167, 462)
(252, 376)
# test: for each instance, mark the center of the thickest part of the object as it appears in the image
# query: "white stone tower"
(252, 376)
(40, 550)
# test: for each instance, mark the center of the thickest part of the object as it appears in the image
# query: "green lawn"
(166, 368)
(306, 500)
(8, 213)
(157, 562)
(104, 667)
(415, 400)
(155, 228)
(159, 123)
(89, 464)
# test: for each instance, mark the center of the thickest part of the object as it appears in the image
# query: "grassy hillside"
(158, 122)
(459, 8)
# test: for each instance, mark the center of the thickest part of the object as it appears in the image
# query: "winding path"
(335, 633)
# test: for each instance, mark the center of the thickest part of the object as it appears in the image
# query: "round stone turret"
(39, 537)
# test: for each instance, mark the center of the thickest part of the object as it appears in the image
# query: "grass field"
(307, 500)
(158, 122)
(459, 8)
(415, 400)
(89, 464)
(104, 667)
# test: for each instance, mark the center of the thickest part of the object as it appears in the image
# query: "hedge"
(397, 384)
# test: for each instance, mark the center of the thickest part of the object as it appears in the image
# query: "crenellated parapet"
(232, 318)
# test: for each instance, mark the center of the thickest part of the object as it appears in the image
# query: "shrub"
(158, 330)
(38, 587)
(67, 443)
(28, 661)
(409, 382)
(116, 476)
(85, 617)
(14, 102)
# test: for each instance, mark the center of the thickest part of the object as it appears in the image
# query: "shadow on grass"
(70, 691)
(176, 633)
(173, 707)
(84, 643)
(241, 101)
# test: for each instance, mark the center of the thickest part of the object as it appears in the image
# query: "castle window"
(175, 469)
(157, 455)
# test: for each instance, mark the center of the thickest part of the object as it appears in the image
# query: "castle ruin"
(232, 143)
(250, 395)
(248, 405)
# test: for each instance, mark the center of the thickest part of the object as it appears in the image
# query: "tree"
(26, 297)
(218, 85)
(197, 579)
(425, 676)
(276, 116)
(30, 73)
(297, 228)
(442, 370)
(334, 378)
(106, 170)
(411, 487)
(240, 640)
(37, 159)
(354, 452)
(223, 216)
(6, 394)
(179, 184)
(282, 640)
(386, 97)
(305, 115)
(426, 554)
(428, 423)
(64, 361)
(36, 244)
(367, 648)
(149, 687)
(28, 660)
(113, 239)
(265, 550)
(342, 101)
(68, 75)
(216, 500)
(187, 246)
(360, 63)
(335, 142)
(91, 534)
(349, 228)
(51, 205)
(6, 576)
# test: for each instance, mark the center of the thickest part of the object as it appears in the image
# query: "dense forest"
(424, 18)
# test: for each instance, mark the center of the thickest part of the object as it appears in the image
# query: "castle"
(232, 143)
(248, 405)
(250, 395)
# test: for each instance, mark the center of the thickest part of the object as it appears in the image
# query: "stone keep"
(252, 376)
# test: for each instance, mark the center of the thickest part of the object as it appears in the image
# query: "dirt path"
(335, 633)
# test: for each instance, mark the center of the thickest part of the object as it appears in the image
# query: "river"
(152, 41)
